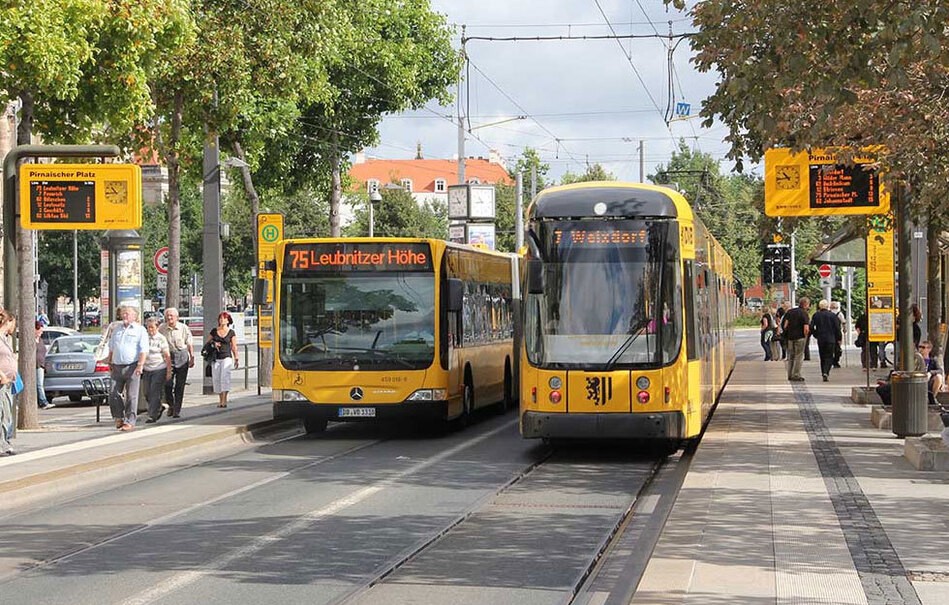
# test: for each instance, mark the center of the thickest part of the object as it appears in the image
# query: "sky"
(584, 101)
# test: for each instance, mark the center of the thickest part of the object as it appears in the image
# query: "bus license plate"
(357, 412)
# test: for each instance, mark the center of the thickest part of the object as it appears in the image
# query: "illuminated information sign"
(601, 237)
(814, 184)
(81, 196)
(350, 256)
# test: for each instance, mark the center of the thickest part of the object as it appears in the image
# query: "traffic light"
(776, 264)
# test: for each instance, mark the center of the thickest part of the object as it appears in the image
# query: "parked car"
(69, 361)
(51, 333)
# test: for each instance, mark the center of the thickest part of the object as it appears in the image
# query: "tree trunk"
(934, 284)
(336, 193)
(170, 153)
(28, 416)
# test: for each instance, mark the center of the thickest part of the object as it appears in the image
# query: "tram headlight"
(555, 397)
(643, 396)
(555, 382)
(642, 383)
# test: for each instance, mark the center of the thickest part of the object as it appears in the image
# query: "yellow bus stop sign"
(81, 196)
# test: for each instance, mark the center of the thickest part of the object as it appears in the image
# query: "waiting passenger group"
(793, 328)
(157, 358)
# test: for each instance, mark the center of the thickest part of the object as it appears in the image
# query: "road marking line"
(180, 580)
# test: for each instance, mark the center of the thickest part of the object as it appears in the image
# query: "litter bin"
(910, 403)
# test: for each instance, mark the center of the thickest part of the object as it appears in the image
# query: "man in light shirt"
(181, 346)
(128, 347)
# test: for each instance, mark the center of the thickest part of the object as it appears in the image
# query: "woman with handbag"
(8, 376)
(767, 334)
(222, 342)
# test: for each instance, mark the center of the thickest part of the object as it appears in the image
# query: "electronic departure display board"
(817, 183)
(336, 257)
(81, 196)
(840, 186)
(600, 235)
(63, 201)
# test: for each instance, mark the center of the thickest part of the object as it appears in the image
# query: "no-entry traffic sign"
(825, 271)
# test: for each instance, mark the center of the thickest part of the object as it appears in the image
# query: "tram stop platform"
(794, 496)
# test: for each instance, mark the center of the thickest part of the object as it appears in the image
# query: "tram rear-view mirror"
(456, 295)
(535, 276)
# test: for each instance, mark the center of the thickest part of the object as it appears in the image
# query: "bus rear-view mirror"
(260, 291)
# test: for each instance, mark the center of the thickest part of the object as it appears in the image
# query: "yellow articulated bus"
(628, 311)
(386, 328)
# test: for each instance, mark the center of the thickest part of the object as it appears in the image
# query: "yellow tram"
(628, 307)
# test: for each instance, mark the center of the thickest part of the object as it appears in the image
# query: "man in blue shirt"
(128, 347)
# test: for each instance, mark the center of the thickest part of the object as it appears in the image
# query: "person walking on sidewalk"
(839, 349)
(7, 378)
(157, 370)
(181, 348)
(768, 333)
(223, 341)
(128, 347)
(41, 401)
(826, 327)
(796, 326)
(782, 338)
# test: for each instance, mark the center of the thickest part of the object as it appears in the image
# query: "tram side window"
(689, 283)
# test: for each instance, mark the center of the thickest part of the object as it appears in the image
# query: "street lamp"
(374, 198)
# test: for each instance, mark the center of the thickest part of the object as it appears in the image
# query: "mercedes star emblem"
(355, 394)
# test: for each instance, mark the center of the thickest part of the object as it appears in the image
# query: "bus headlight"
(428, 395)
(642, 383)
(288, 395)
(555, 382)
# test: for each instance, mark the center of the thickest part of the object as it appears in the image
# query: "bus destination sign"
(81, 196)
(352, 256)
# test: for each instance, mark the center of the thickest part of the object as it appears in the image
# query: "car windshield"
(373, 321)
(610, 295)
(74, 344)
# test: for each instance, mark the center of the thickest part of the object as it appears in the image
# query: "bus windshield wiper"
(381, 354)
(634, 332)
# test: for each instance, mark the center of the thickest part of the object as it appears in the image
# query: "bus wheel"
(314, 425)
(467, 407)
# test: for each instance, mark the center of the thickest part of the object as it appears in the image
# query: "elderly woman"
(157, 370)
(7, 377)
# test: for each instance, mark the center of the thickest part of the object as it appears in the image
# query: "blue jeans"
(41, 400)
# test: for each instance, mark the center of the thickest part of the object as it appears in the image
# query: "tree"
(390, 56)
(595, 172)
(399, 215)
(526, 164)
(55, 254)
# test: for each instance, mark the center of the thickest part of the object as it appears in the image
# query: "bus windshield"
(611, 295)
(351, 321)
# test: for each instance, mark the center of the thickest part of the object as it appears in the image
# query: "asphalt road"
(363, 514)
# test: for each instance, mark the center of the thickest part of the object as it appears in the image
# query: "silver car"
(69, 361)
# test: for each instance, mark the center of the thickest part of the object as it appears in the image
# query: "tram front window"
(611, 295)
(378, 321)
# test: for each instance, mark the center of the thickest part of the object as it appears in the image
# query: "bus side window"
(689, 284)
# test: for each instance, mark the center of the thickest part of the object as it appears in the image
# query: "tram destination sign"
(81, 196)
(352, 256)
(816, 183)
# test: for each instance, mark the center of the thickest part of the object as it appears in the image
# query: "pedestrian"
(868, 350)
(7, 378)
(181, 348)
(128, 347)
(156, 372)
(41, 401)
(782, 338)
(223, 341)
(767, 333)
(839, 350)
(796, 326)
(826, 328)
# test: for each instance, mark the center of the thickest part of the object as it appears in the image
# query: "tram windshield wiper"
(634, 332)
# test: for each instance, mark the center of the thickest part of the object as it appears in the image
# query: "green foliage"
(399, 215)
(529, 160)
(505, 210)
(596, 172)
(55, 253)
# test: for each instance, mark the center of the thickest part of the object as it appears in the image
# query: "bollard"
(910, 403)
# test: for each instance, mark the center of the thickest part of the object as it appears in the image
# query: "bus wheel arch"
(507, 400)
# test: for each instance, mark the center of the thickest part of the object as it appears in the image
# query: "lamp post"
(374, 198)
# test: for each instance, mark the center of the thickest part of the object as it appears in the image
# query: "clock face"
(787, 177)
(116, 192)
(458, 202)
